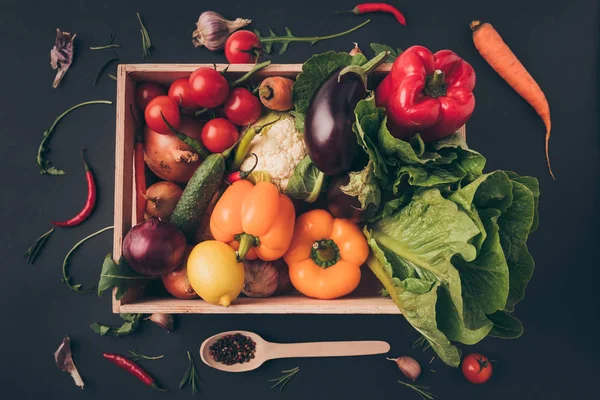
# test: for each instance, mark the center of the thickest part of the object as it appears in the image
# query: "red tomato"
(169, 109)
(219, 134)
(146, 92)
(208, 88)
(241, 47)
(242, 107)
(477, 368)
(179, 92)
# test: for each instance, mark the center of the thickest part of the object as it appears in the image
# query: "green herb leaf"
(307, 182)
(45, 165)
(146, 42)
(119, 275)
(136, 356)
(314, 72)
(130, 325)
(378, 48)
(66, 278)
(285, 378)
(32, 253)
(505, 326)
(191, 375)
(109, 44)
(103, 67)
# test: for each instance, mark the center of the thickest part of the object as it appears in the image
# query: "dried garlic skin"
(64, 361)
(61, 55)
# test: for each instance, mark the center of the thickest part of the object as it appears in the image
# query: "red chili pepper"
(379, 7)
(134, 369)
(90, 202)
(239, 175)
(140, 172)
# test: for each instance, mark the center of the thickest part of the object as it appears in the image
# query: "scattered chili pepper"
(233, 349)
(134, 369)
(239, 175)
(140, 171)
(90, 202)
(379, 7)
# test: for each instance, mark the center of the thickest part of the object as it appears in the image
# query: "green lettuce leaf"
(505, 326)
(314, 72)
(364, 187)
(368, 120)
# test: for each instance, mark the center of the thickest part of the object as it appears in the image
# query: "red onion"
(154, 247)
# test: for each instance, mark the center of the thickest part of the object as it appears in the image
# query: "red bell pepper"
(426, 93)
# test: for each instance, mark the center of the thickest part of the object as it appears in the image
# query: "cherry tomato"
(242, 107)
(169, 109)
(208, 88)
(477, 368)
(219, 134)
(241, 47)
(146, 92)
(179, 92)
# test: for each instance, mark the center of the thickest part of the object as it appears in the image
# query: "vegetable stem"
(67, 279)
(32, 253)
(315, 193)
(248, 74)
(311, 39)
(44, 165)
(246, 243)
(325, 253)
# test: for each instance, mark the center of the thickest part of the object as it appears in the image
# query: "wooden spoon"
(267, 351)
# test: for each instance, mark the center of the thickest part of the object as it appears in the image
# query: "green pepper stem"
(325, 253)
(436, 84)
(248, 74)
(246, 243)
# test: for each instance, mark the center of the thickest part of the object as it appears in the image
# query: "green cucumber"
(198, 194)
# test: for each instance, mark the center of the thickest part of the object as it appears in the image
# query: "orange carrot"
(501, 58)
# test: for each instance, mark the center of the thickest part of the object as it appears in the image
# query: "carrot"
(276, 93)
(500, 57)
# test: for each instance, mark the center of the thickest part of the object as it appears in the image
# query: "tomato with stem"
(242, 47)
(242, 107)
(219, 134)
(476, 368)
(166, 106)
(145, 92)
(179, 92)
(208, 88)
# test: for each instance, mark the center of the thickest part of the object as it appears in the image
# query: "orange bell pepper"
(325, 255)
(257, 221)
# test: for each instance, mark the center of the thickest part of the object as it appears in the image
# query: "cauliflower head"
(279, 147)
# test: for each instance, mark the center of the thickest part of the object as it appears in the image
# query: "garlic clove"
(409, 367)
(165, 321)
(212, 30)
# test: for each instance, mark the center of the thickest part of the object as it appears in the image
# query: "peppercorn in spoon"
(241, 351)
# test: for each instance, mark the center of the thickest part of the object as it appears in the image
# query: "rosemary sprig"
(421, 391)
(146, 42)
(422, 343)
(32, 253)
(284, 379)
(136, 356)
(289, 37)
(103, 67)
(111, 76)
(191, 376)
(109, 44)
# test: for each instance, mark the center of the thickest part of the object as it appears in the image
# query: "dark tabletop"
(556, 358)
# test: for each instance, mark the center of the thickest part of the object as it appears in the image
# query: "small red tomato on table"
(242, 47)
(477, 368)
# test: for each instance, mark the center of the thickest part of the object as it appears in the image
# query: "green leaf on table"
(314, 72)
(130, 324)
(505, 326)
(119, 275)
(378, 48)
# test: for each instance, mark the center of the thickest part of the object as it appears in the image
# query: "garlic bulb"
(260, 278)
(212, 30)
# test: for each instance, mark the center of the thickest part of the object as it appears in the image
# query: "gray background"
(555, 359)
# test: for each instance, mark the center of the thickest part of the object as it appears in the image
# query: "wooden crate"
(365, 300)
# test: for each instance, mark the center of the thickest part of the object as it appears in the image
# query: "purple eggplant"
(328, 135)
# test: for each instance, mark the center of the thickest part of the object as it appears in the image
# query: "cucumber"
(198, 193)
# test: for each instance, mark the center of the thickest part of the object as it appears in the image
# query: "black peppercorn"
(233, 349)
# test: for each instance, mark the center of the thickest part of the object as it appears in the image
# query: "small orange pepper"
(325, 255)
(257, 221)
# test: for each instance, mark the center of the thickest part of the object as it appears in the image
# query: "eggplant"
(328, 135)
(340, 204)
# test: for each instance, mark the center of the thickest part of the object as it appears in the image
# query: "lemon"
(214, 272)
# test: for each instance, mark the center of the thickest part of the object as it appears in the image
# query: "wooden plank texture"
(128, 76)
